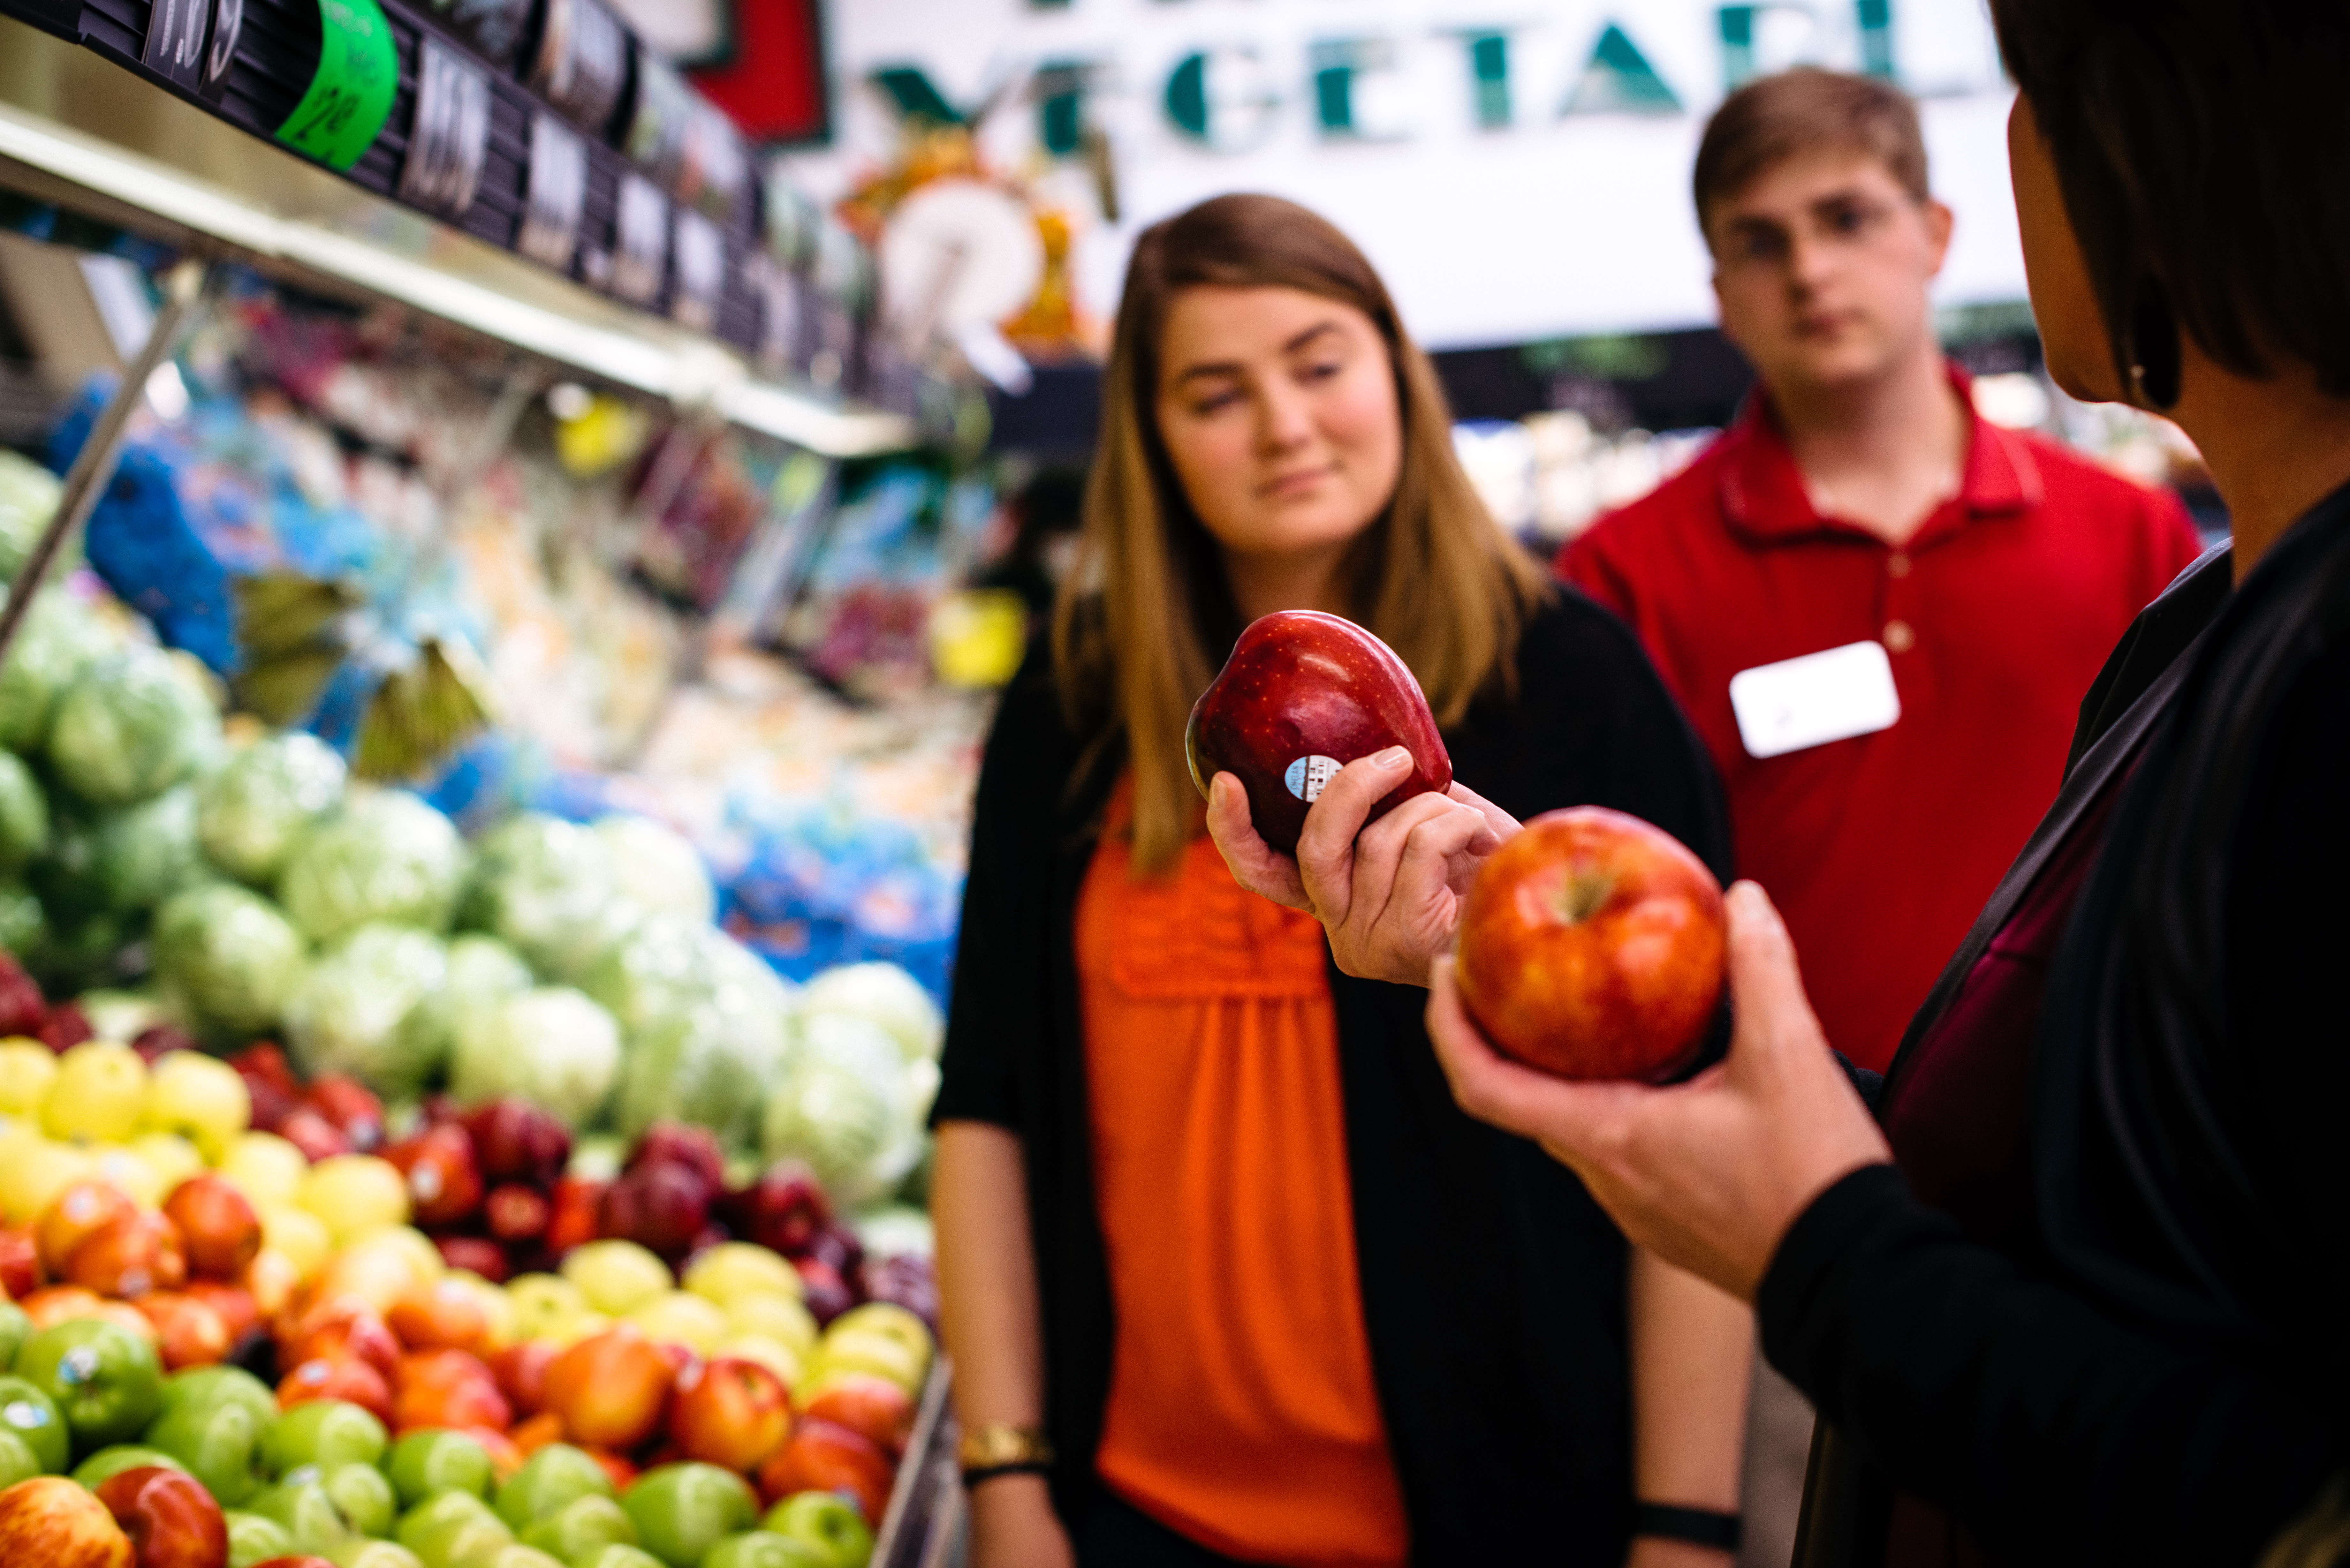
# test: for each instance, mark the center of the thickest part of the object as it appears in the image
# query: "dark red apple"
(1303, 694)
(521, 1372)
(904, 1280)
(1591, 946)
(313, 1134)
(782, 1211)
(171, 1520)
(681, 1144)
(474, 1254)
(20, 1262)
(269, 1079)
(160, 1040)
(351, 1108)
(822, 1290)
(836, 1247)
(515, 1140)
(66, 1027)
(659, 1206)
(444, 1179)
(22, 1006)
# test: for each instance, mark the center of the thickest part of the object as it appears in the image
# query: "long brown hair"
(1145, 618)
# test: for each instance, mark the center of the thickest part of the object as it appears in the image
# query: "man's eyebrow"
(1233, 368)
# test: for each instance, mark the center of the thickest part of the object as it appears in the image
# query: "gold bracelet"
(997, 1445)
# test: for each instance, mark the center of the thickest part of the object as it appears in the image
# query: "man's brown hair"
(1775, 118)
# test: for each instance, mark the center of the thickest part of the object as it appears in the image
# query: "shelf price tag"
(558, 194)
(494, 27)
(701, 272)
(583, 62)
(640, 241)
(779, 313)
(350, 97)
(175, 39)
(451, 138)
(228, 21)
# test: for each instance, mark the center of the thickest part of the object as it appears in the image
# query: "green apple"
(210, 1386)
(828, 1521)
(682, 1511)
(253, 1539)
(427, 1463)
(108, 1463)
(555, 1475)
(360, 1553)
(217, 1440)
(764, 1549)
(308, 1514)
(326, 1433)
(619, 1557)
(580, 1526)
(17, 1460)
(513, 1554)
(15, 1328)
(32, 1415)
(453, 1524)
(103, 1378)
(363, 1497)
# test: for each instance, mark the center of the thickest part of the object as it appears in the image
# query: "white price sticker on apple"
(1798, 703)
(1308, 777)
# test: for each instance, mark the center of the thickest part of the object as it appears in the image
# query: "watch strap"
(1691, 1526)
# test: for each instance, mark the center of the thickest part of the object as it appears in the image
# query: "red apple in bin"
(822, 1456)
(682, 1145)
(53, 1521)
(1303, 694)
(515, 1140)
(444, 1181)
(171, 1520)
(1591, 946)
(730, 1413)
(475, 1255)
(610, 1389)
(218, 1228)
(579, 1205)
(658, 1205)
(351, 1108)
(781, 1211)
(516, 1214)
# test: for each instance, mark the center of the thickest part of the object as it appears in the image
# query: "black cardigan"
(2162, 1377)
(1493, 1286)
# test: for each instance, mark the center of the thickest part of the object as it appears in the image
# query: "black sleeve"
(2056, 1432)
(2057, 1429)
(1602, 730)
(998, 1006)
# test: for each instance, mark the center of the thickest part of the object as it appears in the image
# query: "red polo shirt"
(1996, 616)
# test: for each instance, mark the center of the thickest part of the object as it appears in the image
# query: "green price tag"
(350, 96)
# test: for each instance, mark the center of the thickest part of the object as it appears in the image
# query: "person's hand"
(1709, 1173)
(1389, 894)
(1013, 1525)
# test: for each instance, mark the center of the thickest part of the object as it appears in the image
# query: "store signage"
(558, 194)
(451, 136)
(1518, 171)
(175, 39)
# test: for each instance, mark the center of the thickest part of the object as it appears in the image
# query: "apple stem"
(1585, 892)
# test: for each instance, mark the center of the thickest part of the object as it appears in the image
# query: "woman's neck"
(1263, 582)
(2276, 446)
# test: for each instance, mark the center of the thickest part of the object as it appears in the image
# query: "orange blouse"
(1242, 1410)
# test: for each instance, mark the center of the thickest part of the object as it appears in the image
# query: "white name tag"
(1809, 702)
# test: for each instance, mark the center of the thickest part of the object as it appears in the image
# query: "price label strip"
(350, 97)
(228, 21)
(779, 313)
(494, 27)
(701, 272)
(640, 244)
(716, 173)
(656, 130)
(558, 194)
(452, 135)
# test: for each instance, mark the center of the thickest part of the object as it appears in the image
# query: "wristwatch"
(1000, 1449)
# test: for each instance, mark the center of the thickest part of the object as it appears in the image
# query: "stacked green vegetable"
(259, 892)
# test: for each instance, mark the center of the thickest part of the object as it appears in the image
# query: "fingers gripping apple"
(1592, 947)
(1303, 694)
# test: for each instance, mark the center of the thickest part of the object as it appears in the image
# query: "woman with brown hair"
(1226, 1275)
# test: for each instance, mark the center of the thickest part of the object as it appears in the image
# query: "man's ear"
(1939, 222)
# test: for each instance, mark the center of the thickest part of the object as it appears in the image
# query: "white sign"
(1517, 171)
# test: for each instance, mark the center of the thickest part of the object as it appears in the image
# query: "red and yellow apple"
(1591, 946)
(822, 1456)
(730, 1413)
(218, 1227)
(171, 1521)
(610, 1389)
(51, 1521)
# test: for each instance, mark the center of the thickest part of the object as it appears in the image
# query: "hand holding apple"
(1388, 893)
(1709, 1173)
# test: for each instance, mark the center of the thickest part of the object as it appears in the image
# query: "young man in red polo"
(1880, 611)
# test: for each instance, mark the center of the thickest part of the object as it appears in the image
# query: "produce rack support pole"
(94, 468)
